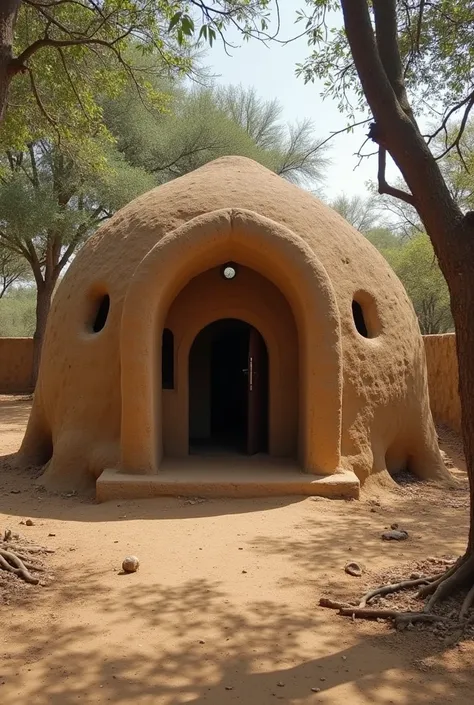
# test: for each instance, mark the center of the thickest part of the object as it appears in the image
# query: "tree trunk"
(456, 263)
(461, 284)
(43, 304)
(376, 58)
(8, 14)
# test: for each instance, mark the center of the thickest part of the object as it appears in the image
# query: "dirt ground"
(224, 608)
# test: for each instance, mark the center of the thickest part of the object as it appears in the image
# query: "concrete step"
(225, 477)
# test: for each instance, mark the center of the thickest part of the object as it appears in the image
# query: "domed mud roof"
(233, 182)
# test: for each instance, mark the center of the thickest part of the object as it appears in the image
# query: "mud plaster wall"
(442, 368)
(16, 365)
(363, 402)
(254, 299)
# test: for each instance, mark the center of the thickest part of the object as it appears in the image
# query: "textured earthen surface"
(223, 610)
(443, 379)
(16, 369)
(361, 403)
(16, 365)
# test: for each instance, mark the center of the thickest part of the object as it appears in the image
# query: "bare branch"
(18, 64)
(384, 187)
(344, 129)
(456, 143)
(468, 101)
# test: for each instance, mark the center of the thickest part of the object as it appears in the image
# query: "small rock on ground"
(353, 569)
(395, 535)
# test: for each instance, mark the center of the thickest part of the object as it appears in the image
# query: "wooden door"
(257, 396)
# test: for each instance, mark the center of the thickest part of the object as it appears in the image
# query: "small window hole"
(101, 313)
(167, 359)
(359, 319)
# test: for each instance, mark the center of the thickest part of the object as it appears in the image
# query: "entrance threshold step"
(113, 484)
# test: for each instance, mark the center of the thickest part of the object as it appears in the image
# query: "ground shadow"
(254, 653)
(21, 495)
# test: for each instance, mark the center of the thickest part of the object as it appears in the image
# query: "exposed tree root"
(431, 586)
(12, 563)
(438, 587)
(400, 618)
(396, 587)
(403, 619)
(467, 604)
(459, 576)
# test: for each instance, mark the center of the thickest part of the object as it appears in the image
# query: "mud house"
(227, 332)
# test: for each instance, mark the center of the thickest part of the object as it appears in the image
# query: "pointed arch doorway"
(228, 390)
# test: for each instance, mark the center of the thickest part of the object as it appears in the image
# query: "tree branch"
(384, 187)
(18, 64)
(468, 101)
(342, 130)
(456, 143)
(418, 25)
(43, 110)
(385, 15)
(396, 132)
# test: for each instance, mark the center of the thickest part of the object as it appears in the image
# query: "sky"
(271, 71)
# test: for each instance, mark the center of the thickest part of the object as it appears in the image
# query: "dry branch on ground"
(401, 601)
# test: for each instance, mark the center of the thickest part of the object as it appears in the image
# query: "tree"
(58, 53)
(457, 167)
(415, 264)
(205, 123)
(12, 269)
(297, 155)
(399, 57)
(412, 259)
(384, 239)
(17, 312)
(360, 212)
(49, 204)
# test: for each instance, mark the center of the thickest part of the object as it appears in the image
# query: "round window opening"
(229, 271)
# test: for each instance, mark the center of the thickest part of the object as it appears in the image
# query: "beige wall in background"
(442, 367)
(16, 365)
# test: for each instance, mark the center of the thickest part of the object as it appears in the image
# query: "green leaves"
(51, 202)
(183, 24)
(174, 21)
(415, 264)
(435, 41)
(207, 33)
(207, 123)
(76, 53)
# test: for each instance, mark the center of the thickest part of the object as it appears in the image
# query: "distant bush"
(17, 313)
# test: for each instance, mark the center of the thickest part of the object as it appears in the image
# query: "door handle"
(250, 374)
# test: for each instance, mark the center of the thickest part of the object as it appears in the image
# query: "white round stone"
(130, 564)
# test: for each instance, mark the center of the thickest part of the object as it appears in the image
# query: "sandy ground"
(224, 608)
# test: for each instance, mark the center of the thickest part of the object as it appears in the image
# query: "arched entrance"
(228, 389)
(207, 241)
